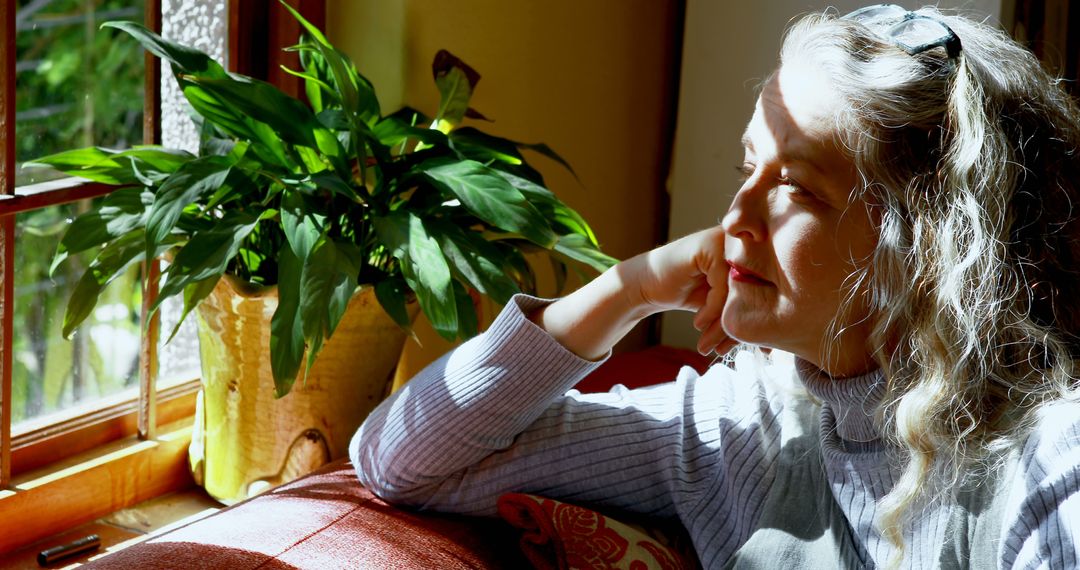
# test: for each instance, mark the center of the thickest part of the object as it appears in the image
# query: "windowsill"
(94, 484)
(45, 442)
(121, 529)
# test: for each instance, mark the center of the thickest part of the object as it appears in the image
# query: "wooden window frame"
(69, 434)
(63, 472)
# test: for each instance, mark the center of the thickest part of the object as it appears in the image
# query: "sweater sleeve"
(1042, 527)
(497, 415)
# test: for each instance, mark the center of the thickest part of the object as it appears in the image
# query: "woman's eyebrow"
(799, 152)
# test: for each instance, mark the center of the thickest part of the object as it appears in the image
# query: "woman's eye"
(795, 188)
(745, 170)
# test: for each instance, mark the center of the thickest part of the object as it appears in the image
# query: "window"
(65, 83)
(97, 393)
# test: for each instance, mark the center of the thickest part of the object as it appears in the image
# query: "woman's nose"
(746, 216)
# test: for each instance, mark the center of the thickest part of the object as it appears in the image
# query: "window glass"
(178, 359)
(51, 374)
(201, 24)
(76, 84)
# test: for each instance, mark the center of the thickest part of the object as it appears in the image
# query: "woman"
(904, 229)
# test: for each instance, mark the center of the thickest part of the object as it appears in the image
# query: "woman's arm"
(1042, 522)
(492, 415)
(689, 274)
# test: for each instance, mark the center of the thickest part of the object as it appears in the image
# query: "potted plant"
(305, 210)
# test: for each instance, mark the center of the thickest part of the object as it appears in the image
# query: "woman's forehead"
(795, 122)
(797, 107)
(795, 117)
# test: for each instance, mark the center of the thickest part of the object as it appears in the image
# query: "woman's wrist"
(589, 321)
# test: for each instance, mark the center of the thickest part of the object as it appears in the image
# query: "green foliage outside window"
(75, 85)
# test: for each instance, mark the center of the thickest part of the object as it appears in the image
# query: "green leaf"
(314, 88)
(578, 248)
(328, 181)
(355, 92)
(217, 113)
(392, 131)
(94, 163)
(310, 159)
(221, 113)
(82, 302)
(393, 232)
(160, 159)
(490, 197)
(301, 225)
(111, 262)
(186, 186)
(212, 142)
(392, 295)
(546, 151)
(456, 81)
(318, 79)
(237, 185)
(206, 254)
(334, 119)
(327, 283)
(515, 265)
(186, 59)
(550, 206)
(348, 263)
(468, 324)
(286, 332)
(426, 271)
(120, 212)
(559, 269)
(194, 294)
(482, 147)
(476, 260)
(288, 117)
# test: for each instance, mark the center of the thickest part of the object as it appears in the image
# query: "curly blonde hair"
(971, 166)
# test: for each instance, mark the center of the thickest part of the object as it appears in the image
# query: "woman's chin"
(741, 330)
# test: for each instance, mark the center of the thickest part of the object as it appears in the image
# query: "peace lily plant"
(322, 196)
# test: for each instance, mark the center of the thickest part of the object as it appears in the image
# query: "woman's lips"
(744, 275)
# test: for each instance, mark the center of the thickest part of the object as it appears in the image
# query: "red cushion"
(562, 536)
(654, 365)
(325, 520)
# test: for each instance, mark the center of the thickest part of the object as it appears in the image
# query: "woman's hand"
(688, 274)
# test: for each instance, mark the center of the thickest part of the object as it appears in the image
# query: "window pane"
(101, 359)
(200, 24)
(76, 84)
(178, 360)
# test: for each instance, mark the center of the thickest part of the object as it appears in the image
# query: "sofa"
(328, 520)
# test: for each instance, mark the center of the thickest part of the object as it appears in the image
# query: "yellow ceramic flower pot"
(245, 440)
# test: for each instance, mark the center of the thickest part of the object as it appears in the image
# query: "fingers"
(714, 339)
(709, 320)
(725, 346)
(712, 309)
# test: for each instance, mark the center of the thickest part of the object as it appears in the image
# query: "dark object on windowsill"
(85, 544)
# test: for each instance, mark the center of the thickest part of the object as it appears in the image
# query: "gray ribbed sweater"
(495, 416)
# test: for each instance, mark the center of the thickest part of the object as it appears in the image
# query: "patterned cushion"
(564, 536)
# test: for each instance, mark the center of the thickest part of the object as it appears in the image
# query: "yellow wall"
(591, 78)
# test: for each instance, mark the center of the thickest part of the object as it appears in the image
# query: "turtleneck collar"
(850, 402)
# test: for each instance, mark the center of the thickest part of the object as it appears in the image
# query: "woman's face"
(794, 235)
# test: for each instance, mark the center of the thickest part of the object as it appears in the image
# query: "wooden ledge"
(93, 484)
